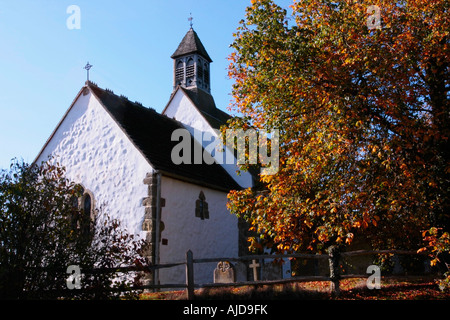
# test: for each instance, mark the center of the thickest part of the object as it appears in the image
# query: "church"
(121, 153)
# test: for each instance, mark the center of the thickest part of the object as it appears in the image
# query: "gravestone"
(224, 273)
(272, 271)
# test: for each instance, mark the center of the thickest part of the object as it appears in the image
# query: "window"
(190, 70)
(87, 221)
(84, 216)
(199, 69)
(179, 72)
(201, 207)
(87, 204)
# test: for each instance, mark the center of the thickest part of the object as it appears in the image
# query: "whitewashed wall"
(182, 109)
(97, 154)
(209, 238)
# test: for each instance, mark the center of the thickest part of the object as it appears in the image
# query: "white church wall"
(98, 155)
(182, 109)
(209, 238)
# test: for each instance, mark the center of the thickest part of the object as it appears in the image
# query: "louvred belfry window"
(179, 72)
(190, 69)
(199, 69)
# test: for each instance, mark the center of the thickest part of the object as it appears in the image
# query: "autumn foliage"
(438, 247)
(363, 117)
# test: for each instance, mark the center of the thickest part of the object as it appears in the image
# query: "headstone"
(286, 270)
(240, 271)
(224, 273)
(272, 271)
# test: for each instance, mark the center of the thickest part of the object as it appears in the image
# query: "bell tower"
(191, 64)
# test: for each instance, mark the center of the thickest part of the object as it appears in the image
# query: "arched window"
(179, 72)
(87, 204)
(87, 221)
(190, 70)
(84, 219)
(199, 69)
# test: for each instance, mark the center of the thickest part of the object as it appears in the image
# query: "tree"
(438, 247)
(363, 119)
(42, 233)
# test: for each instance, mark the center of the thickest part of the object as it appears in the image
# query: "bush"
(40, 236)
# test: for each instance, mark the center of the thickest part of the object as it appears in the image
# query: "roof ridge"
(120, 96)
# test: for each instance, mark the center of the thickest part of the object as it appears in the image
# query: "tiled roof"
(151, 133)
(191, 44)
(204, 102)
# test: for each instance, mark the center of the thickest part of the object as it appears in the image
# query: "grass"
(418, 288)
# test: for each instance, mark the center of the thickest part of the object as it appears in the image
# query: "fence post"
(190, 275)
(333, 259)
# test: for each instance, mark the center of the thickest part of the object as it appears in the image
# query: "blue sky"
(129, 44)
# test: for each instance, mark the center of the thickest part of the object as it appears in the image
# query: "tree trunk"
(334, 257)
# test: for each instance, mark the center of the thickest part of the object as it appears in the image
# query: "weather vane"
(190, 20)
(87, 67)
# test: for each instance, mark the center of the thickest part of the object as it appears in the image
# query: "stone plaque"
(224, 273)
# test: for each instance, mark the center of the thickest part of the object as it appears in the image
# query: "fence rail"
(334, 276)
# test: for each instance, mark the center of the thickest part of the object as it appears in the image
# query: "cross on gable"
(254, 265)
(190, 20)
(88, 67)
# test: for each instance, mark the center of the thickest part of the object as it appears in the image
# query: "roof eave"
(199, 182)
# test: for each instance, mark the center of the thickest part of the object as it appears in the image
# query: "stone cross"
(254, 265)
(88, 67)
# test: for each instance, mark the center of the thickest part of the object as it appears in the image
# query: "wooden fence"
(334, 258)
